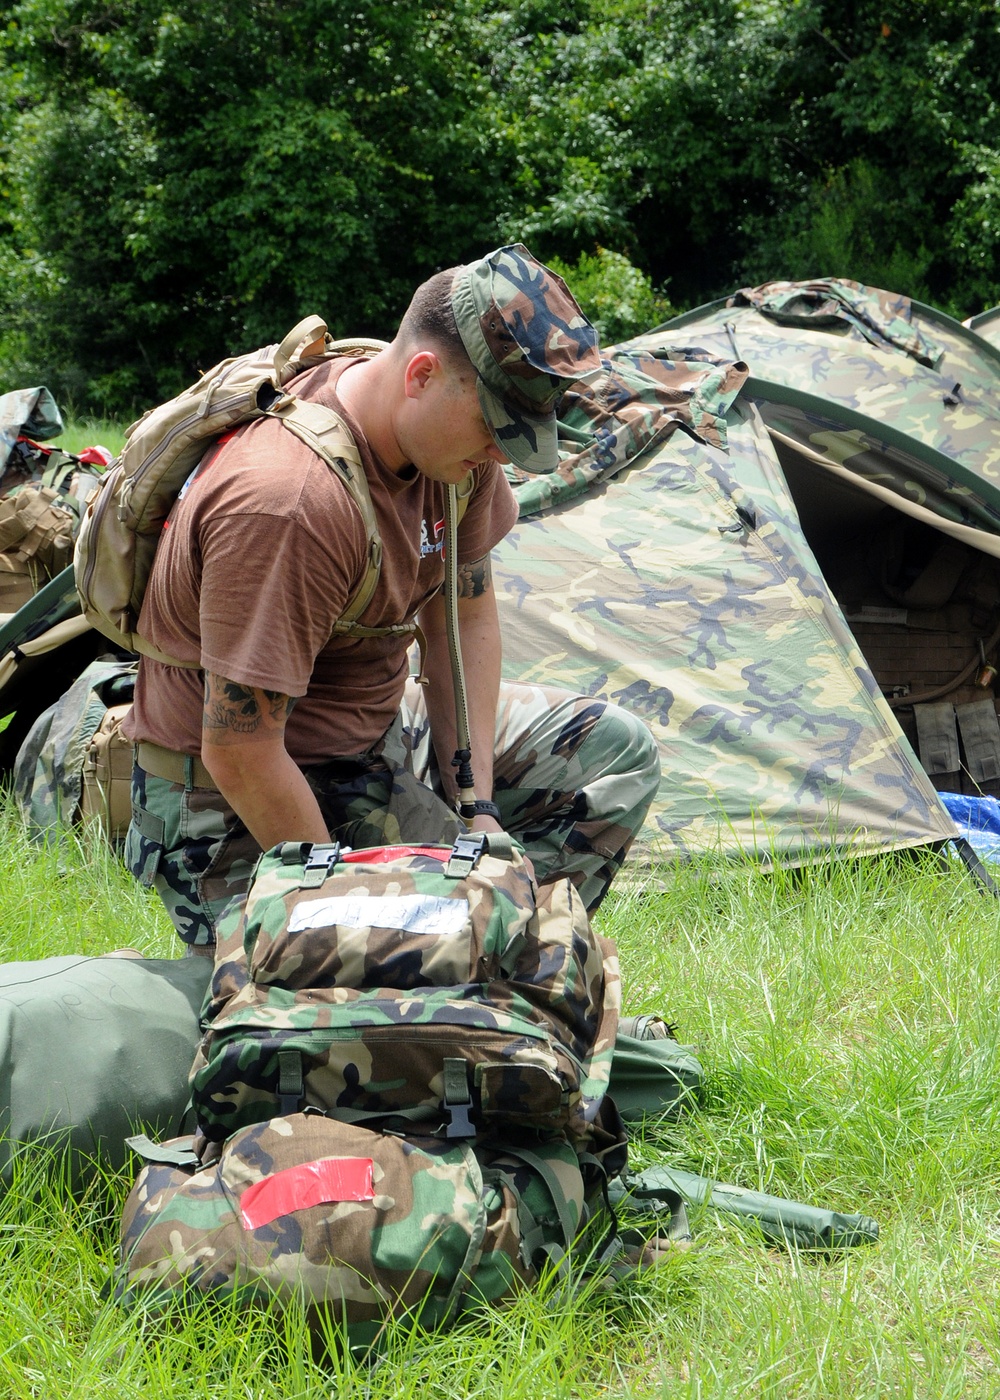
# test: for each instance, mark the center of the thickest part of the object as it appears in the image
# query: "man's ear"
(420, 369)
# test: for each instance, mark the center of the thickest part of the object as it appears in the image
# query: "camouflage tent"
(774, 534)
(986, 325)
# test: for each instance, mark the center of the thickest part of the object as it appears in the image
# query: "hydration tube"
(462, 762)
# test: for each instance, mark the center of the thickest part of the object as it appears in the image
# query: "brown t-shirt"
(258, 559)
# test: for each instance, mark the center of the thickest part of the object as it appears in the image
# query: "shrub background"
(179, 181)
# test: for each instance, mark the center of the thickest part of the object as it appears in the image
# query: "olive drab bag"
(123, 523)
(357, 1226)
(92, 1048)
(409, 988)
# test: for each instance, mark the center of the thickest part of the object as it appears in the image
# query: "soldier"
(288, 733)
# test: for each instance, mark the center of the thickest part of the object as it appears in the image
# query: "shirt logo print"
(428, 545)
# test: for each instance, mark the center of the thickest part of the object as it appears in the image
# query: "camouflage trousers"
(573, 778)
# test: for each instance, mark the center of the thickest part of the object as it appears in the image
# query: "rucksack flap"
(394, 984)
(358, 1226)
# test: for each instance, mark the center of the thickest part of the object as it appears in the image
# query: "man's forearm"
(243, 748)
(267, 791)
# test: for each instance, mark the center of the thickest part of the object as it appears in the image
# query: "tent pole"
(975, 867)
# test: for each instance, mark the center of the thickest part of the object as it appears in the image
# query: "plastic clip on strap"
(319, 863)
(465, 854)
(457, 1099)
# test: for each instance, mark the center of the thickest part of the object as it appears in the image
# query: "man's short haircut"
(429, 317)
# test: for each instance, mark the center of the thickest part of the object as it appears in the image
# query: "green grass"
(849, 1022)
(88, 432)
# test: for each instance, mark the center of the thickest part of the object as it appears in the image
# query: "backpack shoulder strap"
(463, 495)
(326, 433)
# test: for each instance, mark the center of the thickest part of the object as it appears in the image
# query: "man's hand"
(243, 748)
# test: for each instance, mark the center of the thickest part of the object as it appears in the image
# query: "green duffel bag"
(90, 1049)
(652, 1076)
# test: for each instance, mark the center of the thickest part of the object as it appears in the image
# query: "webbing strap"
(307, 335)
(544, 1168)
(326, 434)
(170, 1154)
(457, 1098)
(422, 1113)
(290, 1087)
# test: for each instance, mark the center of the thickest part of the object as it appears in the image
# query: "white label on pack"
(413, 913)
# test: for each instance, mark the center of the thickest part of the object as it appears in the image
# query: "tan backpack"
(123, 523)
(36, 542)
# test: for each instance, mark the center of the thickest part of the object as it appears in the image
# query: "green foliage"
(177, 183)
(847, 230)
(618, 298)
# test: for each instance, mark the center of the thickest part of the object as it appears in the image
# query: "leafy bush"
(618, 298)
(177, 184)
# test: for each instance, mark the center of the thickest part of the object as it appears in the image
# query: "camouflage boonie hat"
(529, 342)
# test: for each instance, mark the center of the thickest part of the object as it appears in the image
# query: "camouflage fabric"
(29, 411)
(635, 404)
(358, 1227)
(387, 985)
(529, 342)
(883, 318)
(573, 779)
(680, 586)
(928, 433)
(48, 773)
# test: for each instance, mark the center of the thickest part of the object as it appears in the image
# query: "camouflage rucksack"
(74, 764)
(360, 1227)
(409, 987)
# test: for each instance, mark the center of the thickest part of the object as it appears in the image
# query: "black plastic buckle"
(319, 863)
(465, 854)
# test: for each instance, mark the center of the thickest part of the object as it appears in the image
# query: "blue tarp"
(978, 819)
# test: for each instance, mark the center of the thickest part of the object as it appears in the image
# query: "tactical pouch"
(17, 583)
(105, 795)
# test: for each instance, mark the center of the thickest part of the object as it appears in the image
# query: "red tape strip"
(311, 1184)
(383, 855)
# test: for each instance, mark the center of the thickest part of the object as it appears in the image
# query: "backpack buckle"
(457, 1100)
(290, 1087)
(319, 862)
(465, 854)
